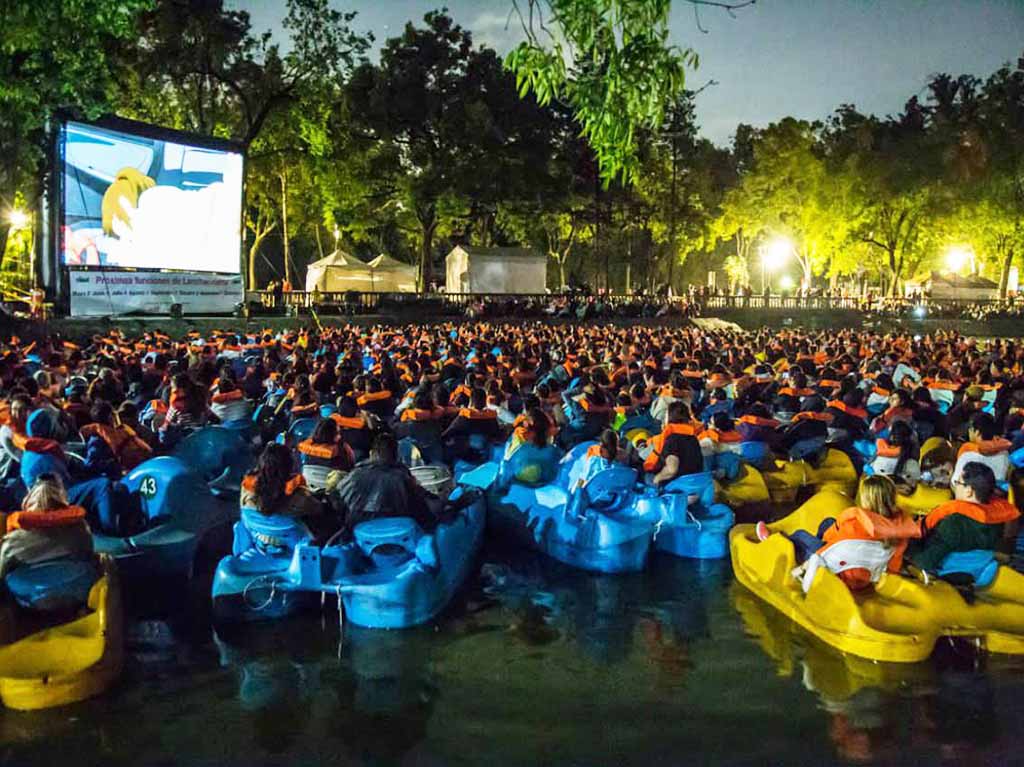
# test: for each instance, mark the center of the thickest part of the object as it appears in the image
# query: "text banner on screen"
(132, 200)
(98, 293)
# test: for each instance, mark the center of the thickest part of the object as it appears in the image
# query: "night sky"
(780, 57)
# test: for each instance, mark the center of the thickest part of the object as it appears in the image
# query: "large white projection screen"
(140, 202)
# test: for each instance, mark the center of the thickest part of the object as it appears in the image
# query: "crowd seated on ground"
(353, 403)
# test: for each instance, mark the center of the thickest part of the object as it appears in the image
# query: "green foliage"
(611, 62)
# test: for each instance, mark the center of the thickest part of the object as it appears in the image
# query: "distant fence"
(364, 302)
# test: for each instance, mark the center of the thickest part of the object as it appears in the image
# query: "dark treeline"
(430, 145)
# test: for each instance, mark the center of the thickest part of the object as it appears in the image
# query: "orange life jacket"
(39, 520)
(986, 447)
(414, 414)
(376, 396)
(657, 442)
(293, 484)
(994, 512)
(127, 448)
(842, 407)
(355, 422)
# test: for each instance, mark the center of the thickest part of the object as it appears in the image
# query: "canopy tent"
(495, 270)
(392, 276)
(340, 272)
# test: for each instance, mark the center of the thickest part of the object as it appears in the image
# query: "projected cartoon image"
(134, 201)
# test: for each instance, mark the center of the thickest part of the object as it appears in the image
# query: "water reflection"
(944, 707)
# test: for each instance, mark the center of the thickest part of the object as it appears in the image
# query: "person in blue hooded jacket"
(41, 453)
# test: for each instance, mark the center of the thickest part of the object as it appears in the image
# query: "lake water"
(535, 664)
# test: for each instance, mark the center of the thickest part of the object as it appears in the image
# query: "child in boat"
(975, 519)
(48, 528)
(874, 520)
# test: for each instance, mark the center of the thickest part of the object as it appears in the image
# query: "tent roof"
(502, 254)
(384, 261)
(337, 258)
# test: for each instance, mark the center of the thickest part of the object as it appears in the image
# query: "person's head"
(102, 412)
(128, 413)
(273, 470)
(21, 407)
(609, 444)
(424, 399)
(478, 399)
(722, 422)
(540, 426)
(121, 196)
(976, 483)
(325, 432)
(46, 494)
(384, 449)
(899, 398)
(982, 428)
(677, 412)
(877, 494)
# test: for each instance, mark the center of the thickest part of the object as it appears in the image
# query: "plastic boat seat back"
(699, 488)
(170, 489)
(316, 476)
(434, 479)
(212, 449)
(388, 540)
(272, 535)
(60, 584)
(609, 490)
(301, 429)
(570, 468)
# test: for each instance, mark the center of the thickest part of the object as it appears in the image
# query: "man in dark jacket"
(381, 486)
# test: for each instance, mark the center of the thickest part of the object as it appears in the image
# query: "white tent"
(340, 272)
(334, 272)
(392, 276)
(495, 270)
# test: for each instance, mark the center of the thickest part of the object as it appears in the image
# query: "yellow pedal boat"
(898, 621)
(834, 472)
(66, 663)
(748, 487)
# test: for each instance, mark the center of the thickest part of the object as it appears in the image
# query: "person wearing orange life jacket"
(901, 408)
(807, 433)
(326, 447)
(675, 451)
(584, 416)
(859, 545)
(721, 439)
(357, 426)
(423, 423)
(229, 403)
(896, 458)
(377, 400)
(975, 519)
(984, 445)
(757, 425)
(47, 529)
(474, 428)
(111, 448)
(603, 455)
(677, 389)
(274, 489)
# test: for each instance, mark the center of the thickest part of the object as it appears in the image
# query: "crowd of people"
(77, 416)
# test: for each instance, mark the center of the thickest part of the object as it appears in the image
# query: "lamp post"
(774, 255)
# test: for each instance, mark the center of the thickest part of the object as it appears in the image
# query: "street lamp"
(18, 219)
(774, 255)
(957, 257)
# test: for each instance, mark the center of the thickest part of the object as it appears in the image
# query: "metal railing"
(368, 302)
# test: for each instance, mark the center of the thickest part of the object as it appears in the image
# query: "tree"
(40, 76)
(611, 62)
(447, 138)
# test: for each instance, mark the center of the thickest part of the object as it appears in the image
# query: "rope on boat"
(272, 580)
